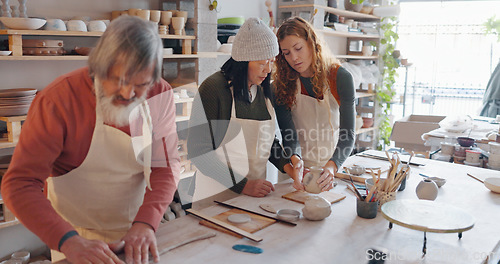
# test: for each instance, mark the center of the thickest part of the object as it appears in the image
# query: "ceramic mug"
(494, 147)
(447, 148)
(144, 14)
(367, 51)
(55, 24)
(166, 17)
(472, 156)
(154, 16)
(76, 25)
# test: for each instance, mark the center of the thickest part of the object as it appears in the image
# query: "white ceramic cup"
(178, 25)
(447, 148)
(494, 147)
(367, 51)
(155, 15)
(133, 11)
(166, 17)
(55, 24)
(472, 156)
(76, 25)
(144, 14)
(97, 26)
(494, 160)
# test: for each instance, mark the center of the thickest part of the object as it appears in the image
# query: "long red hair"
(285, 77)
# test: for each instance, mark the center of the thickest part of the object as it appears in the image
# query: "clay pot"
(367, 122)
(311, 178)
(352, 7)
(316, 208)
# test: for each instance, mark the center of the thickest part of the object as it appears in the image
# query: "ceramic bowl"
(493, 184)
(369, 183)
(55, 24)
(5, 52)
(23, 23)
(367, 122)
(439, 181)
(465, 141)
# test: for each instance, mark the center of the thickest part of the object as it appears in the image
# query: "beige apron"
(317, 123)
(102, 196)
(247, 153)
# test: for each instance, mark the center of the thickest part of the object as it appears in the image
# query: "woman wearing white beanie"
(232, 126)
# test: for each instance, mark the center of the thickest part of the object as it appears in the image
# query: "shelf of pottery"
(469, 155)
(171, 25)
(359, 34)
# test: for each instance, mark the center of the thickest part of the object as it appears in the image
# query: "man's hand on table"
(139, 241)
(81, 250)
(258, 188)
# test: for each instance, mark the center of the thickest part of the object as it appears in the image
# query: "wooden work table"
(344, 237)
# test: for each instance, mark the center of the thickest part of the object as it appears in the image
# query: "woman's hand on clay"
(258, 188)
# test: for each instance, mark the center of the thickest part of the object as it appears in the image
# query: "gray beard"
(118, 115)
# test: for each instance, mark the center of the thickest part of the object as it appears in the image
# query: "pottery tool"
(302, 196)
(250, 211)
(248, 249)
(472, 176)
(371, 156)
(183, 240)
(224, 225)
(356, 190)
(268, 208)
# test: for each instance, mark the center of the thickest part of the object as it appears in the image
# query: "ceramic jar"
(316, 208)
(356, 170)
(427, 190)
(311, 178)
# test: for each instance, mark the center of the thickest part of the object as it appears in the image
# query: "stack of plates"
(16, 102)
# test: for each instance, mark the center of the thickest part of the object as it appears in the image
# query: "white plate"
(15, 110)
(23, 23)
(17, 92)
(239, 218)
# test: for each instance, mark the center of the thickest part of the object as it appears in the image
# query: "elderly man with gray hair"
(101, 142)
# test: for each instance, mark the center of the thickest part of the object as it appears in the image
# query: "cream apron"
(246, 153)
(102, 196)
(317, 124)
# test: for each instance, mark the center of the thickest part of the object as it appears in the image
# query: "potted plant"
(386, 91)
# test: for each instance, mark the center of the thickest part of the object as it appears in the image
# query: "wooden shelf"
(187, 174)
(364, 130)
(334, 33)
(84, 58)
(9, 223)
(336, 11)
(181, 118)
(357, 57)
(183, 100)
(75, 33)
(16, 43)
(364, 94)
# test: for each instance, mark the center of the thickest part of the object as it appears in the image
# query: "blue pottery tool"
(248, 249)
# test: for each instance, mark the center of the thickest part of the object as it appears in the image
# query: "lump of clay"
(316, 208)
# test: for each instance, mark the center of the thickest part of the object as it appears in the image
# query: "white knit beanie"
(254, 41)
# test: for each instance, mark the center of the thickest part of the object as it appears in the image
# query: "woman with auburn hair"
(314, 100)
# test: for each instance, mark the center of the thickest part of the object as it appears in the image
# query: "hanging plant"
(386, 92)
(493, 27)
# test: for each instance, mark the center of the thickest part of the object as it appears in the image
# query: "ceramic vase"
(427, 190)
